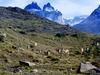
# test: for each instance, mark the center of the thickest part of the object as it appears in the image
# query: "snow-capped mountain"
(75, 20)
(48, 12)
(92, 23)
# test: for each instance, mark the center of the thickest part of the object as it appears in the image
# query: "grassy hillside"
(23, 29)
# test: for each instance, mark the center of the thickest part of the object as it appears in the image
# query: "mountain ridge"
(91, 23)
(17, 13)
(33, 5)
(48, 12)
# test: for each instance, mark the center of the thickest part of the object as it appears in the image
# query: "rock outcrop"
(48, 12)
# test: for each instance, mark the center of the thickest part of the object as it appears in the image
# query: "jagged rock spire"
(48, 7)
(33, 5)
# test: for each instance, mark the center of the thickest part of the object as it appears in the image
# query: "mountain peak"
(48, 4)
(95, 13)
(98, 9)
(92, 23)
(99, 6)
(48, 7)
(33, 5)
(48, 12)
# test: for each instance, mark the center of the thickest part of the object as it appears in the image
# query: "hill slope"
(36, 23)
(23, 30)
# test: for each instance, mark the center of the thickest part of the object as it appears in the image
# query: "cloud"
(69, 8)
(72, 8)
(4, 2)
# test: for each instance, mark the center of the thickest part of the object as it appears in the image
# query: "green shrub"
(60, 35)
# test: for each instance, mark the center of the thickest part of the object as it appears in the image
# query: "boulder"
(26, 63)
(85, 67)
(35, 70)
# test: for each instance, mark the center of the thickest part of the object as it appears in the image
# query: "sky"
(69, 8)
